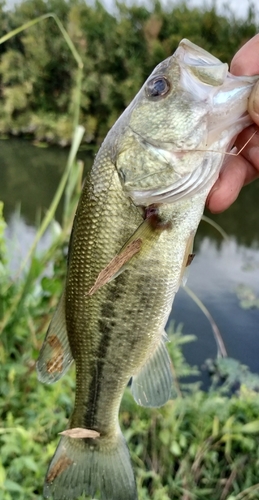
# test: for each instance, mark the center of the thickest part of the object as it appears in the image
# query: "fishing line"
(226, 153)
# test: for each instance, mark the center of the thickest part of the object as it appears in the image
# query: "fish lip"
(200, 55)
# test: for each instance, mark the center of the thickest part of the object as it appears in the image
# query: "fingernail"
(255, 98)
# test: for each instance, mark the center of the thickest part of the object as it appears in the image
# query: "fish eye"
(157, 87)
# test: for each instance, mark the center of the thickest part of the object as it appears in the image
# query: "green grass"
(202, 446)
(198, 446)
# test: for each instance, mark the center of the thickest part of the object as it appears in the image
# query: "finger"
(244, 168)
(250, 152)
(235, 172)
(245, 61)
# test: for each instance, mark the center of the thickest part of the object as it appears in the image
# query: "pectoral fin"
(55, 354)
(152, 386)
(117, 265)
(141, 241)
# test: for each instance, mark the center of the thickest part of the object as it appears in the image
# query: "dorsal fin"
(55, 355)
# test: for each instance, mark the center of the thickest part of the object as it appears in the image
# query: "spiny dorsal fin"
(55, 355)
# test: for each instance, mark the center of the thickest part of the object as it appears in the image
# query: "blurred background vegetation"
(203, 445)
(38, 75)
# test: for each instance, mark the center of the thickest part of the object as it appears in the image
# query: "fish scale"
(131, 241)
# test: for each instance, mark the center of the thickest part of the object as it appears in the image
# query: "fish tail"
(91, 467)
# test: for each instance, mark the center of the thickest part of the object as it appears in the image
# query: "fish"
(131, 241)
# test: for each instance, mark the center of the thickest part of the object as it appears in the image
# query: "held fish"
(130, 244)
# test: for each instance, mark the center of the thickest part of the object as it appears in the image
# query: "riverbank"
(47, 87)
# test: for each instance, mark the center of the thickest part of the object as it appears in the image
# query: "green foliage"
(2, 241)
(227, 374)
(199, 446)
(247, 297)
(39, 75)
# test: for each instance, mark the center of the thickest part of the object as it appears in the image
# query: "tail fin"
(91, 466)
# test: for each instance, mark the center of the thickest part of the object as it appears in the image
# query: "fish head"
(172, 139)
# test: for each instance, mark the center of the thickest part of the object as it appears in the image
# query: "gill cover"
(179, 137)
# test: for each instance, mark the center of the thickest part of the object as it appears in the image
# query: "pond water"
(29, 176)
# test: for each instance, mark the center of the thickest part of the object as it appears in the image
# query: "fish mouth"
(166, 172)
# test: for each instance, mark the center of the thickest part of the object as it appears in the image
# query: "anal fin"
(152, 386)
(55, 355)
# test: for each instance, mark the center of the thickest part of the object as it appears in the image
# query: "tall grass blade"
(216, 226)
(222, 352)
(79, 132)
(248, 493)
(78, 135)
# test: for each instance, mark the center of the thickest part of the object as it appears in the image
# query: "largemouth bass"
(130, 244)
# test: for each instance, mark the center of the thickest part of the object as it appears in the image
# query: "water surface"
(29, 177)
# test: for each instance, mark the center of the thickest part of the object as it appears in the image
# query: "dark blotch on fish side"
(155, 220)
(113, 292)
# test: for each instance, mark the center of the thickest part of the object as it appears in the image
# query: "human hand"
(244, 168)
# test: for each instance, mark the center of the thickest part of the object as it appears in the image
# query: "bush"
(198, 446)
(38, 74)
